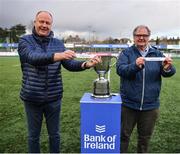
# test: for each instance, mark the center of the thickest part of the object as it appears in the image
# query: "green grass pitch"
(13, 131)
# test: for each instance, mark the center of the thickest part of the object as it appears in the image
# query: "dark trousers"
(145, 121)
(35, 113)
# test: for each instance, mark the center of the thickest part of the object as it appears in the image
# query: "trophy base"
(101, 96)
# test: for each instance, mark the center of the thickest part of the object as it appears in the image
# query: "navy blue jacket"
(41, 76)
(140, 87)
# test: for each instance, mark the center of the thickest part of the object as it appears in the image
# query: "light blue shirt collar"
(145, 52)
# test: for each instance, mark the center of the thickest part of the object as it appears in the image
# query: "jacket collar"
(151, 49)
(40, 38)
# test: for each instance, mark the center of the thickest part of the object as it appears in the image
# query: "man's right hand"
(140, 62)
(68, 54)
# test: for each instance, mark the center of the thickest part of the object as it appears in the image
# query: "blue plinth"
(100, 124)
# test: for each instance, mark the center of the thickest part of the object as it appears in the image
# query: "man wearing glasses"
(140, 87)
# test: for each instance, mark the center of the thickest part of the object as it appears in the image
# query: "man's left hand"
(167, 63)
(92, 62)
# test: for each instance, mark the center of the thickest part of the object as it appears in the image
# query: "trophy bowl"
(101, 84)
(104, 65)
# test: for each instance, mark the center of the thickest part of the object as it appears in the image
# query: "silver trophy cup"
(101, 84)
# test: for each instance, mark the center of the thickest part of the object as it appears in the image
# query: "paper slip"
(84, 55)
(154, 58)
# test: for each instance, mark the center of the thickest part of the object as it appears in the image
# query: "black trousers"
(145, 121)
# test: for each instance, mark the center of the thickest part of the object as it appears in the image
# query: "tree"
(108, 40)
(17, 31)
(13, 34)
(3, 35)
(157, 41)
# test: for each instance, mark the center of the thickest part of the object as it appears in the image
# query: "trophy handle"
(114, 62)
(110, 67)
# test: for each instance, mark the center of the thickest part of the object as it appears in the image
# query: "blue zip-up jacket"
(140, 87)
(41, 76)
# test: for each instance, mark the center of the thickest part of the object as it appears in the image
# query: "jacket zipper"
(46, 97)
(46, 77)
(142, 98)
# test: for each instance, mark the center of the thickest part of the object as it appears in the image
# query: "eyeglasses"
(141, 35)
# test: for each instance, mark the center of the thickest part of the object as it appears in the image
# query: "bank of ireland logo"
(100, 141)
(100, 129)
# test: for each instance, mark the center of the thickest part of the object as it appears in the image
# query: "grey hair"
(141, 26)
(45, 12)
